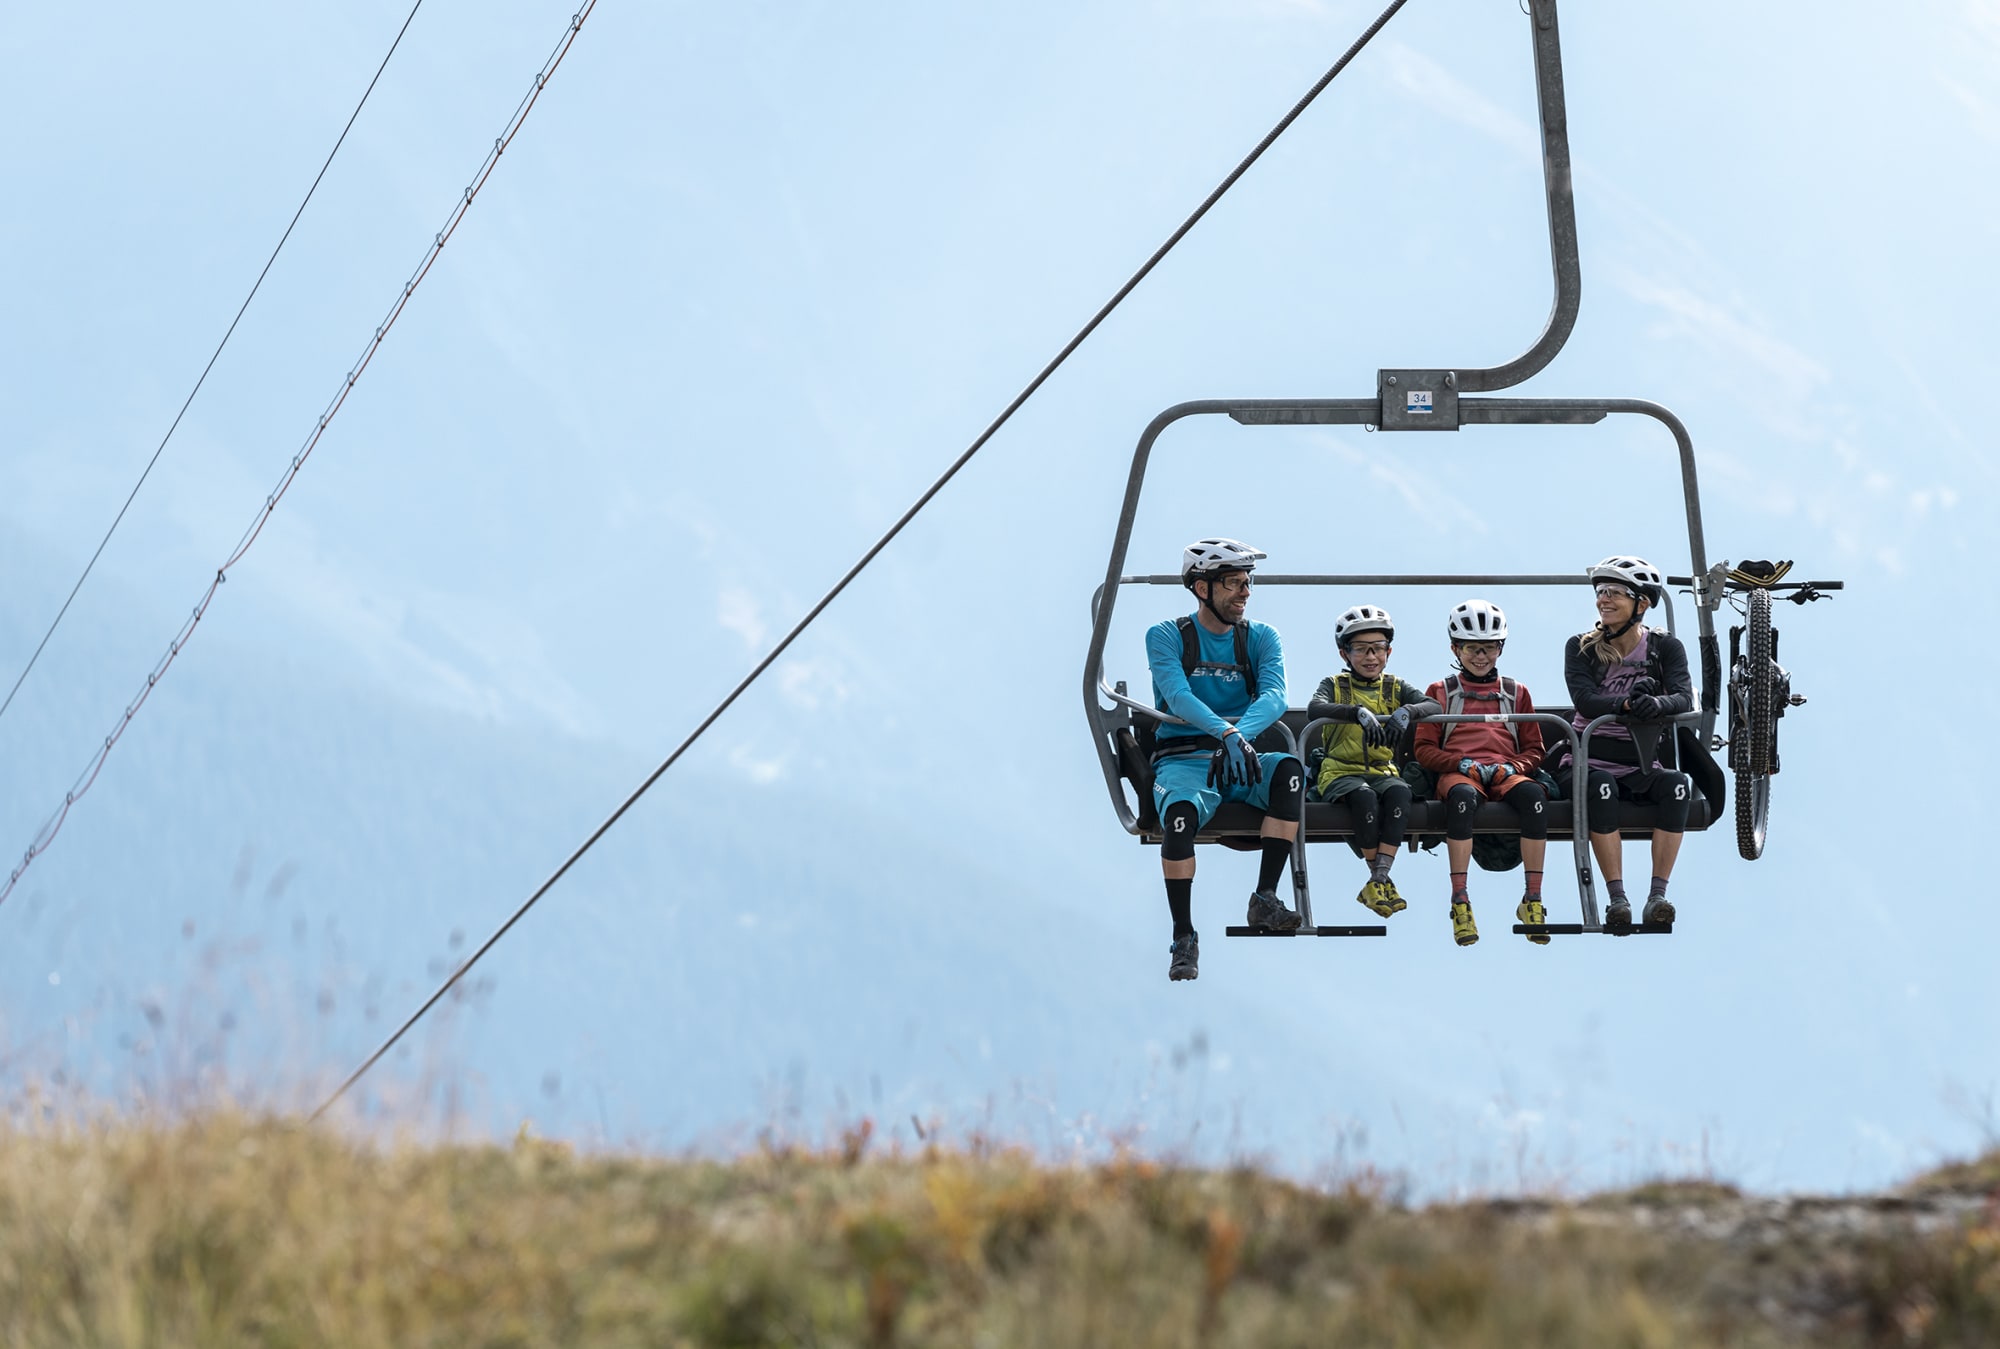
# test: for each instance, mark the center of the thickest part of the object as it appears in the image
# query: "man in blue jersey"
(1224, 678)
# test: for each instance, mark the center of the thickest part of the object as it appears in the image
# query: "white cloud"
(1450, 97)
(1975, 61)
(1448, 509)
(458, 652)
(737, 610)
(465, 653)
(763, 772)
(1794, 373)
(1983, 116)
(810, 683)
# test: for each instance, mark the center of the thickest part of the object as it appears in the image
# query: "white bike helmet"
(1634, 573)
(1477, 621)
(1362, 618)
(1210, 557)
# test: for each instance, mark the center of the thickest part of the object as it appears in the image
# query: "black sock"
(1616, 889)
(1276, 851)
(1659, 887)
(1180, 902)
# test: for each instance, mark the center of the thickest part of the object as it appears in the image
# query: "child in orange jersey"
(1485, 761)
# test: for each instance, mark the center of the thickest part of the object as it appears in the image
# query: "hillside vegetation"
(228, 1230)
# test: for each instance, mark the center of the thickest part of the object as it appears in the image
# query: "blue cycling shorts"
(1184, 777)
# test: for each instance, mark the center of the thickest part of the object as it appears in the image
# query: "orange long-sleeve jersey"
(1486, 742)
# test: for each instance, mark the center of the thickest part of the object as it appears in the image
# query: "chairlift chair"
(1438, 399)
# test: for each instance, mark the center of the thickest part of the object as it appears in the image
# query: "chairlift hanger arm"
(1557, 183)
(1445, 386)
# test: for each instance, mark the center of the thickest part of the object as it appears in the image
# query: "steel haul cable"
(147, 472)
(46, 835)
(459, 971)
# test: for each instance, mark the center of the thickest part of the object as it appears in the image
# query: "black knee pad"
(1461, 807)
(1364, 804)
(1366, 809)
(1288, 779)
(1601, 791)
(1530, 801)
(1394, 813)
(1178, 827)
(1673, 793)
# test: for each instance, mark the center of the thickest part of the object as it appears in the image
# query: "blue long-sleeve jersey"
(1216, 695)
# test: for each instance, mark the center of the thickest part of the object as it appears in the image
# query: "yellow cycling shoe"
(1531, 911)
(1378, 898)
(1463, 930)
(1396, 903)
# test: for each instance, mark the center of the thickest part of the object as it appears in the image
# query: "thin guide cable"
(188, 402)
(459, 971)
(46, 835)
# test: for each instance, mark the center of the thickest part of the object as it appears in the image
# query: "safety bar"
(1144, 709)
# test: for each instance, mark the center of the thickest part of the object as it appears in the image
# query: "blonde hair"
(1596, 644)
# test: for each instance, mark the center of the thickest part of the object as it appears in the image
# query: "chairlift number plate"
(1418, 400)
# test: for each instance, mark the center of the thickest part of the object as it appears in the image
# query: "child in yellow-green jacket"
(1373, 711)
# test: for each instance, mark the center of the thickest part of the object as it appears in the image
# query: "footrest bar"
(1364, 930)
(1578, 930)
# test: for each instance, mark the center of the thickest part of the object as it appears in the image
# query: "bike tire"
(1753, 813)
(1759, 730)
(1757, 661)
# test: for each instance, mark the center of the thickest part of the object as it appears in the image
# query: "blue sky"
(749, 278)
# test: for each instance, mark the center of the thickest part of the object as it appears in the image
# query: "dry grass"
(229, 1230)
(1981, 1173)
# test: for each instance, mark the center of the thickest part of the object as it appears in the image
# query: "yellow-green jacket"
(1346, 755)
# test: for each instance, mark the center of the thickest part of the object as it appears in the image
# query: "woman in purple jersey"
(1640, 674)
